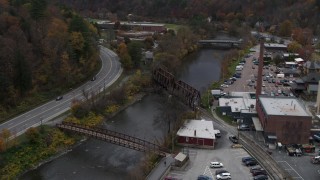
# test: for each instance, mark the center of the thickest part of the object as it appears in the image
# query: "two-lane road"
(108, 74)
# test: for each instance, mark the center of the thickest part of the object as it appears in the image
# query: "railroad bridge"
(221, 43)
(182, 90)
(185, 92)
(115, 138)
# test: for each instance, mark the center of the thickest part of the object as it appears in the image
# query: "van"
(216, 164)
(280, 75)
(239, 68)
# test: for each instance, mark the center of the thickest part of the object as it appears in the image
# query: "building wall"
(289, 129)
(195, 141)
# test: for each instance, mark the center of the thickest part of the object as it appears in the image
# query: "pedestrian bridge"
(221, 43)
(114, 138)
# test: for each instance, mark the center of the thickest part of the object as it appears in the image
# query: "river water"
(95, 159)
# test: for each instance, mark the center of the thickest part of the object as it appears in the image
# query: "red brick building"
(284, 118)
(197, 133)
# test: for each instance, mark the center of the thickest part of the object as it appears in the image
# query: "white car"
(224, 176)
(216, 165)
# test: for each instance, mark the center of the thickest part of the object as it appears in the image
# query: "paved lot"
(299, 168)
(248, 74)
(201, 158)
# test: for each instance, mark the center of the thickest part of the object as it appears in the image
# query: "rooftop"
(282, 106)
(239, 102)
(197, 128)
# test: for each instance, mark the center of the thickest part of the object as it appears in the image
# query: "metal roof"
(198, 129)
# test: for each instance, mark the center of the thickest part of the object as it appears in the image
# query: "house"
(284, 119)
(311, 67)
(197, 133)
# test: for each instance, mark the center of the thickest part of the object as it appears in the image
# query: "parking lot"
(200, 159)
(248, 78)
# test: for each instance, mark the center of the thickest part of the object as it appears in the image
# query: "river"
(95, 159)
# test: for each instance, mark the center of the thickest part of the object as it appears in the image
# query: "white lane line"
(292, 169)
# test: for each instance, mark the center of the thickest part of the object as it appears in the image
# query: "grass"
(225, 118)
(175, 27)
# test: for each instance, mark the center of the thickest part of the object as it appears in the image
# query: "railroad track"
(276, 172)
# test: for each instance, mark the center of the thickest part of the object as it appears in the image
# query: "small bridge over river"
(114, 138)
(221, 43)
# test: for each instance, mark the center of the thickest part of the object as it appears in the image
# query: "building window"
(187, 139)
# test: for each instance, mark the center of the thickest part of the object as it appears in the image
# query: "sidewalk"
(163, 167)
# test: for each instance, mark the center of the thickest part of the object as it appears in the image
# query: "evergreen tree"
(134, 49)
(22, 73)
(38, 8)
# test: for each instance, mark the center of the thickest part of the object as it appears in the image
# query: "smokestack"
(259, 79)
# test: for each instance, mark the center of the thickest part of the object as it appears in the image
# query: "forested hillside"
(300, 13)
(44, 49)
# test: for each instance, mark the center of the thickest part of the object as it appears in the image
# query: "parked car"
(248, 158)
(220, 171)
(255, 168)
(244, 127)
(59, 98)
(259, 172)
(216, 165)
(224, 176)
(233, 139)
(260, 177)
(252, 162)
(203, 177)
(316, 137)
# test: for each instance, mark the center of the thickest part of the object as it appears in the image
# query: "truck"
(293, 150)
(280, 75)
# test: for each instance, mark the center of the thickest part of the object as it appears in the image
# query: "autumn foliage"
(43, 50)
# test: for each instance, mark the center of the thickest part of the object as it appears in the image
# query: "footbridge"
(221, 43)
(182, 90)
(114, 138)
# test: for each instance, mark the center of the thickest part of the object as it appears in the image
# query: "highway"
(110, 71)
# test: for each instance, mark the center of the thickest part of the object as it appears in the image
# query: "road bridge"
(116, 138)
(221, 43)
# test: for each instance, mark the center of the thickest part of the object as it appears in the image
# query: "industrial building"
(284, 119)
(197, 133)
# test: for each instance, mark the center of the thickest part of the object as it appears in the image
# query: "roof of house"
(198, 129)
(282, 106)
(311, 77)
(312, 65)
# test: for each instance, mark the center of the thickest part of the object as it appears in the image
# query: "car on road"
(233, 139)
(260, 177)
(203, 177)
(224, 176)
(59, 98)
(216, 165)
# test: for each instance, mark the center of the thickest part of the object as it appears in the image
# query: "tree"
(294, 47)
(22, 75)
(38, 8)
(286, 28)
(33, 135)
(124, 56)
(135, 52)
(5, 134)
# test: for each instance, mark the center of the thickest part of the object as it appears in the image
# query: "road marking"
(292, 169)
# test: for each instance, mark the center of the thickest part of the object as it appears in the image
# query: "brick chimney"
(259, 79)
